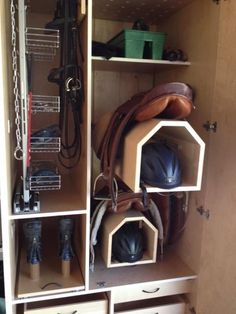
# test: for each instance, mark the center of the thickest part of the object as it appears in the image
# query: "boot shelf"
(51, 280)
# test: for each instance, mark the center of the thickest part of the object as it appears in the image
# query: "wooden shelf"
(134, 65)
(171, 268)
(66, 201)
(50, 273)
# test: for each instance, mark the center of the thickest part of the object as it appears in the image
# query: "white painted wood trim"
(4, 159)
(89, 145)
(146, 61)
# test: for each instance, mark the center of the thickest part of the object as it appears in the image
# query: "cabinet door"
(217, 287)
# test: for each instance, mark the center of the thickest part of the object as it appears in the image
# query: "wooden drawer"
(178, 308)
(151, 290)
(53, 307)
(167, 305)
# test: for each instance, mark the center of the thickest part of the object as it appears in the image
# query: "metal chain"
(18, 152)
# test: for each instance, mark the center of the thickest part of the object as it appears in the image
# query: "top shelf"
(134, 65)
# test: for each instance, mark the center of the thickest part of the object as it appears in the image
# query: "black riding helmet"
(128, 243)
(160, 166)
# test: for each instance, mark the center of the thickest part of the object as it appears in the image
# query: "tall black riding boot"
(32, 232)
(66, 228)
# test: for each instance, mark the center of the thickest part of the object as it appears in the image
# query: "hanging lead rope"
(18, 152)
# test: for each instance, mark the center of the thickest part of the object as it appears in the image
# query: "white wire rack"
(45, 144)
(42, 103)
(42, 42)
(44, 176)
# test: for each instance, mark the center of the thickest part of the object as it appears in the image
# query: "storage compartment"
(93, 303)
(181, 135)
(113, 222)
(62, 191)
(55, 262)
(166, 305)
(135, 43)
(151, 290)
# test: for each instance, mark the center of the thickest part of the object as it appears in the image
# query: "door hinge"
(204, 212)
(210, 126)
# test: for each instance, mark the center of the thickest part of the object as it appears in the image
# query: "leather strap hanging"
(70, 80)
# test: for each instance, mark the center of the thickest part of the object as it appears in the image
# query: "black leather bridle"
(69, 77)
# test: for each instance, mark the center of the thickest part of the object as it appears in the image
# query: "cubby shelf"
(181, 135)
(134, 65)
(113, 223)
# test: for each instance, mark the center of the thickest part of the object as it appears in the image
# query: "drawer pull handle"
(153, 291)
(75, 312)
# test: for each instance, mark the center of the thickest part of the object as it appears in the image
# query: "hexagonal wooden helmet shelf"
(113, 222)
(190, 148)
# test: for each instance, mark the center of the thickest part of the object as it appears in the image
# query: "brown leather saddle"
(167, 101)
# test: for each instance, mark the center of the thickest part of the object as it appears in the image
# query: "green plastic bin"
(140, 44)
(2, 306)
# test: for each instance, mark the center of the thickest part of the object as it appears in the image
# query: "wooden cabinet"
(205, 31)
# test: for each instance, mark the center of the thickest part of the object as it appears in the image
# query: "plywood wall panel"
(217, 290)
(194, 30)
(111, 89)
